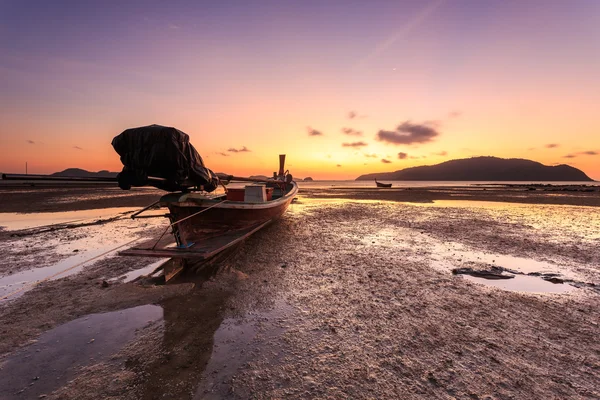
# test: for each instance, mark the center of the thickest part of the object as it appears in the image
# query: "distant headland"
(82, 173)
(484, 169)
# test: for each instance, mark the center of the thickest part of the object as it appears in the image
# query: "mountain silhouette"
(484, 169)
(82, 173)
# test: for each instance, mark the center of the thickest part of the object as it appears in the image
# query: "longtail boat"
(383, 185)
(202, 223)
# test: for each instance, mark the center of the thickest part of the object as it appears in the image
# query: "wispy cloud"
(174, 27)
(552, 145)
(582, 153)
(313, 132)
(30, 141)
(383, 160)
(404, 30)
(242, 150)
(77, 148)
(409, 133)
(351, 132)
(352, 114)
(402, 155)
(355, 144)
(371, 155)
(339, 165)
(222, 154)
(440, 153)
(454, 114)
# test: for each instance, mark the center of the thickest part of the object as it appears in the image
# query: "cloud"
(174, 27)
(313, 132)
(339, 165)
(352, 114)
(402, 155)
(582, 153)
(409, 133)
(440, 153)
(351, 132)
(222, 154)
(454, 114)
(242, 150)
(77, 147)
(30, 141)
(383, 160)
(354, 144)
(371, 155)
(552, 145)
(412, 22)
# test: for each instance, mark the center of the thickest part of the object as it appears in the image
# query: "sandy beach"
(350, 295)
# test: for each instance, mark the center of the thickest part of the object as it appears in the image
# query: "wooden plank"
(203, 249)
(173, 268)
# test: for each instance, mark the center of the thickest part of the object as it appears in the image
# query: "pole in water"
(26, 168)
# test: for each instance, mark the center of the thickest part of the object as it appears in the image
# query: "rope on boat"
(144, 209)
(183, 219)
(199, 212)
(31, 285)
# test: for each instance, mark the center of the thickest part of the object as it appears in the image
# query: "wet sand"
(349, 295)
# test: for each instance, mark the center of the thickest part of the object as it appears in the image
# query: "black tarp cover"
(161, 152)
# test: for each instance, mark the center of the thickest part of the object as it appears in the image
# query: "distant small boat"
(383, 185)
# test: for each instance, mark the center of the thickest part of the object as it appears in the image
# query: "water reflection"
(56, 356)
(523, 283)
(17, 221)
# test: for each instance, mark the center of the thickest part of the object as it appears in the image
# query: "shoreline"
(55, 198)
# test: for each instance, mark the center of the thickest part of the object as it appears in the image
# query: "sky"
(342, 87)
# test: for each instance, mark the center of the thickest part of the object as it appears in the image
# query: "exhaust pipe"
(281, 164)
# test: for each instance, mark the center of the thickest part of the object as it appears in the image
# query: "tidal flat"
(350, 294)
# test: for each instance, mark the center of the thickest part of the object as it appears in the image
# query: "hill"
(82, 173)
(484, 169)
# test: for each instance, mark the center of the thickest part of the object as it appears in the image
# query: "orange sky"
(505, 79)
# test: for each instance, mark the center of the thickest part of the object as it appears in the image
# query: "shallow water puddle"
(459, 254)
(523, 283)
(80, 246)
(234, 343)
(54, 359)
(132, 275)
(447, 256)
(17, 221)
(14, 282)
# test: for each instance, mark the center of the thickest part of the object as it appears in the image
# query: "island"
(484, 169)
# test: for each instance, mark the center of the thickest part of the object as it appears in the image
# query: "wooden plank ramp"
(200, 250)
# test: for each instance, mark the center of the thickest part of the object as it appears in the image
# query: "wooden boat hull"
(383, 185)
(199, 220)
(204, 227)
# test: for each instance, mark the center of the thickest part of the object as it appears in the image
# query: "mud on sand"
(341, 299)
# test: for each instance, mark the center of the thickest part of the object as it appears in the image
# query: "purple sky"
(516, 75)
